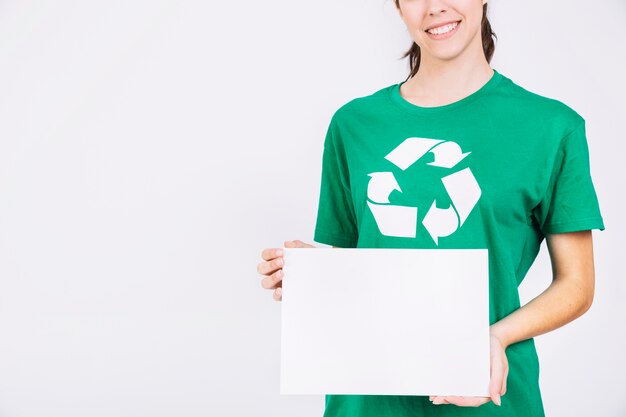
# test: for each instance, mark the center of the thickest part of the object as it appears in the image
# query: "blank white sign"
(385, 321)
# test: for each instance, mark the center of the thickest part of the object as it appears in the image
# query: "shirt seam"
(573, 221)
(435, 111)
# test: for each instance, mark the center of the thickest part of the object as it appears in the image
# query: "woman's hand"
(272, 267)
(497, 384)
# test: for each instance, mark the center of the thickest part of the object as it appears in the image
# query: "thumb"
(297, 244)
(496, 383)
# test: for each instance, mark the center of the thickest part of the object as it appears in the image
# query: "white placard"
(385, 321)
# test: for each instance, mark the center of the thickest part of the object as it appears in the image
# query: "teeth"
(443, 29)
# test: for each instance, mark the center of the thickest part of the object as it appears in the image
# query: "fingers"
(297, 244)
(272, 267)
(278, 294)
(273, 262)
(438, 400)
(273, 257)
(273, 280)
(270, 253)
(459, 400)
(268, 267)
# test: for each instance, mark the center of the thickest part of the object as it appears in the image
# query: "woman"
(472, 160)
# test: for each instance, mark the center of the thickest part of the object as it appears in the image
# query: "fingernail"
(279, 291)
(279, 252)
(498, 401)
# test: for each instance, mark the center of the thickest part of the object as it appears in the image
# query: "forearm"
(562, 302)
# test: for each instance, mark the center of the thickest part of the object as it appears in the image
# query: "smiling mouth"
(442, 30)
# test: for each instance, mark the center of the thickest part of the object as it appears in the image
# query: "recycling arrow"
(464, 193)
(381, 186)
(409, 151)
(447, 155)
(392, 220)
(401, 221)
(440, 222)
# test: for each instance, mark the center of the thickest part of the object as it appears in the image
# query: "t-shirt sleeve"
(570, 202)
(336, 221)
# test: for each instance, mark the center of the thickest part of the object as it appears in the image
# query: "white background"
(149, 150)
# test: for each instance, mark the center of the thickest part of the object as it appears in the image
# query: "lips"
(444, 34)
(440, 24)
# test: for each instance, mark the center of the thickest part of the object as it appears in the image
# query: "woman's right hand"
(272, 267)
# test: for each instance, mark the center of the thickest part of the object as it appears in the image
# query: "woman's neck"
(438, 83)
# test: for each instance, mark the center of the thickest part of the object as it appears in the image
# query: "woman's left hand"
(497, 384)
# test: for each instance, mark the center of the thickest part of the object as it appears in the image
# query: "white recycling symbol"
(401, 221)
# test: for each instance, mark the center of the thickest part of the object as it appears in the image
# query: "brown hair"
(487, 35)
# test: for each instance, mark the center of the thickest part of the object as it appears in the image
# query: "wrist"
(499, 333)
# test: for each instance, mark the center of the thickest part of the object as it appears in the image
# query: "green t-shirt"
(498, 169)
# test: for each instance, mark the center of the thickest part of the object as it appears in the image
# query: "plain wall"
(149, 150)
